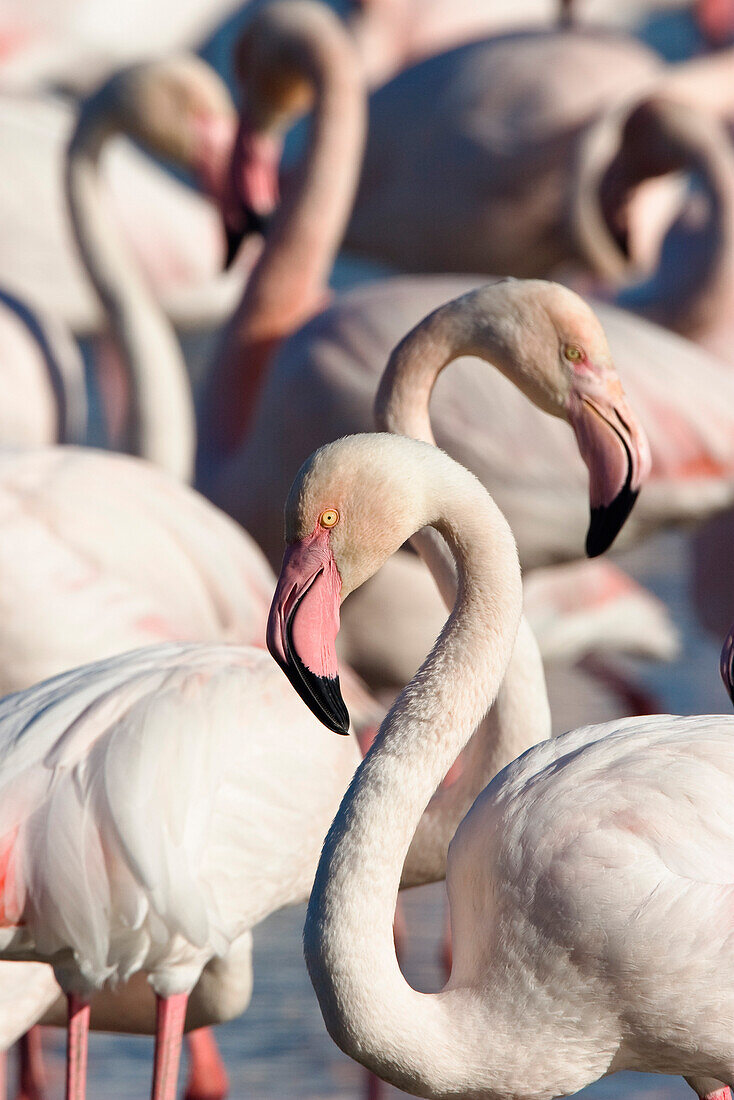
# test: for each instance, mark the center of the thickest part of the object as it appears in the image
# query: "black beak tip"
(321, 694)
(234, 238)
(332, 708)
(252, 223)
(607, 521)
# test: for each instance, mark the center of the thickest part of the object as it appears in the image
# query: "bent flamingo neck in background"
(288, 284)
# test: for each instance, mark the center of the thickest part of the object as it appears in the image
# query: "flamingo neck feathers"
(520, 716)
(422, 1043)
(491, 323)
(161, 416)
(694, 284)
(688, 290)
(289, 283)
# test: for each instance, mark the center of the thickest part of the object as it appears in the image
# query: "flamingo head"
(251, 191)
(352, 505)
(179, 109)
(274, 66)
(584, 384)
(551, 344)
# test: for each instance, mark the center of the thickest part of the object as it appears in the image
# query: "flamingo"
(44, 394)
(488, 185)
(173, 231)
(187, 572)
(233, 836)
(120, 548)
(566, 866)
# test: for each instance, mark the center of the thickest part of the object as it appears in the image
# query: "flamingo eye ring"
(329, 518)
(573, 353)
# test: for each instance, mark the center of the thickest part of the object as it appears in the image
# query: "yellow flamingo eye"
(573, 353)
(329, 518)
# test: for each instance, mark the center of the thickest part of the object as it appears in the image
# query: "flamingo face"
(251, 192)
(304, 623)
(347, 512)
(616, 452)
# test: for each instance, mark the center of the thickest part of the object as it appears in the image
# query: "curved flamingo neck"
(161, 416)
(693, 287)
(425, 1044)
(520, 716)
(288, 284)
(690, 289)
(482, 323)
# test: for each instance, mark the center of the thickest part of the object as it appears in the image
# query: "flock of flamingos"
(163, 786)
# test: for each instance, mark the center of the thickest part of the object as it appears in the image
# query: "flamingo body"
(488, 169)
(591, 843)
(103, 553)
(159, 804)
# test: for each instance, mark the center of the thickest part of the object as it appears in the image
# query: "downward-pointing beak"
(303, 625)
(251, 191)
(614, 447)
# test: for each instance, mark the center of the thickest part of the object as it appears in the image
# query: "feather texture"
(157, 805)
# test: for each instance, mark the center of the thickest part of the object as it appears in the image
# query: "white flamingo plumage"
(565, 869)
(235, 833)
(74, 43)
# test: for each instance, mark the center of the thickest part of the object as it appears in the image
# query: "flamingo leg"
(207, 1075)
(77, 1037)
(3, 1074)
(31, 1073)
(170, 1018)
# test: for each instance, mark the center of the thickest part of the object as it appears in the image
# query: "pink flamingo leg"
(170, 1018)
(207, 1075)
(31, 1073)
(77, 1037)
(3, 1074)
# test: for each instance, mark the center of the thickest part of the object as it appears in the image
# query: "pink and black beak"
(726, 664)
(614, 447)
(251, 192)
(303, 625)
